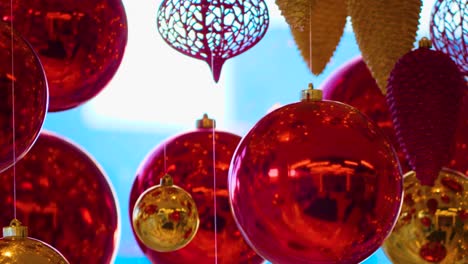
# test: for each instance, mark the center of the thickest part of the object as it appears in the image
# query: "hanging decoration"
(459, 159)
(317, 27)
(65, 199)
(312, 181)
(30, 96)
(165, 217)
(433, 221)
(385, 31)
(353, 84)
(425, 92)
(213, 31)
(17, 248)
(449, 30)
(80, 44)
(188, 158)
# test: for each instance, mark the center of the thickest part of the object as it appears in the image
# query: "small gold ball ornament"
(432, 226)
(165, 217)
(17, 248)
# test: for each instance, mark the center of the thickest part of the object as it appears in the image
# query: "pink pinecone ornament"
(425, 92)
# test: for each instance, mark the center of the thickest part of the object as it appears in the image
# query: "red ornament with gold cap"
(80, 43)
(188, 158)
(315, 182)
(425, 94)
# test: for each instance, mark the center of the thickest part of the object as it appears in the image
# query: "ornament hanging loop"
(311, 94)
(425, 43)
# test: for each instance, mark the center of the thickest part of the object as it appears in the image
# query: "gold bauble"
(17, 248)
(165, 217)
(432, 226)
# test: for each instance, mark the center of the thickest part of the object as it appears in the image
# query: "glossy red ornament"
(80, 44)
(213, 31)
(449, 30)
(425, 92)
(315, 182)
(189, 160)
(30, 96)
(65, 199)
(353, 84)
(459, 159)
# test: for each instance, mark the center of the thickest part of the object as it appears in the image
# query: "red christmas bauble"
(315, 182)
(30, 96)
(80, 44)
(65, 199)
(449, 30)
(353, 84)
(459, 159)
(424, 93)
(189, 160)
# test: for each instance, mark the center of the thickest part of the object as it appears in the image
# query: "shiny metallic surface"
(315, 182)
(433, 223)
(353, 84)
(65, 199)
(80, 44)
(30, 96)
(189, 160)
(165, 217)
(22, 250)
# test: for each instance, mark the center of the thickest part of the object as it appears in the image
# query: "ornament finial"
(425, 43)
(167, 180)
(15, 229)
(311, 94)
(206, 122)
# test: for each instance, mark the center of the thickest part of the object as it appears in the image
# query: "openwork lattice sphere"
(213, 31)
(449, 30)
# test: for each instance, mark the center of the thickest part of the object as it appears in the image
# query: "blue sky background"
(159, 92)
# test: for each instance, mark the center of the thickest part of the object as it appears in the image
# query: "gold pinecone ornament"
(385, 31)
(317, 27)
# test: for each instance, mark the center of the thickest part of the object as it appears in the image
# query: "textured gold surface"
(165, 217)
(320, 21)
(17, 248)
(432, 227)
(385, 31)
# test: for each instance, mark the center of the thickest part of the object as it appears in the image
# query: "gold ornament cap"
(166, 180)
(206, 122)
(425, 43)
(15, 229)
(311, 94)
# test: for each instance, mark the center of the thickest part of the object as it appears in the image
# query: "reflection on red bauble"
(459, 159)
(65, 199)
(353, 84)
(315, 182)
(80, 44)
(30, 96)
(189, 160)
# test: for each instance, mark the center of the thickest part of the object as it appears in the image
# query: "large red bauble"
(459, 159)
(424, 94)
(30, 96)
(189, 160)
(353, 84)
(315, 182)
(65, 199)
(80, 44)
